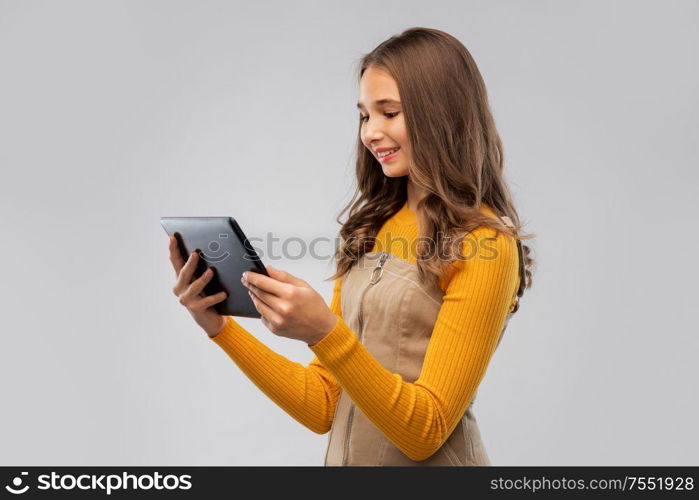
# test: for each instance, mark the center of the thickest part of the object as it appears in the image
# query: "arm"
(419, 417)
(308, 393)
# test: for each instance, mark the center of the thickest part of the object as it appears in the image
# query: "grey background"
(113, 114)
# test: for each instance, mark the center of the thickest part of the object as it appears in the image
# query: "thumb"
(284, 276)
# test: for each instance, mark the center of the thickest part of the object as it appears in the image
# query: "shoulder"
(485, 250)
(485, 244)
(489, 240)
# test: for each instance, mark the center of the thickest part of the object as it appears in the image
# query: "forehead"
(377, 84)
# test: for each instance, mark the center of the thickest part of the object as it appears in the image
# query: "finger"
(285, 276)
(206, 302)
(269, 314)
(175, 255)
(271, 300)
(196, 287)
(268, 284)
(185, 276)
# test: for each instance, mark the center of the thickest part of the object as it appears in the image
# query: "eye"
(363, 118)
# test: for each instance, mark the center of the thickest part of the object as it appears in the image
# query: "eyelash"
(362, 117)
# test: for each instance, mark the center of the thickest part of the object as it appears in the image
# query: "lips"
(389, 157)
(382, 152)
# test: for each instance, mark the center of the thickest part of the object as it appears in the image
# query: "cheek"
(401, 135)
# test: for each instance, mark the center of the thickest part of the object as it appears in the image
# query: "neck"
(415, 194)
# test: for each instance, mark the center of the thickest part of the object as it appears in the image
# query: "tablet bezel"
(238, 302)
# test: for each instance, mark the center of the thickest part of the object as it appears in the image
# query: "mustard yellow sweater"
(417, 417)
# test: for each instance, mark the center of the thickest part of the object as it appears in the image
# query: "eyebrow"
(380, 102)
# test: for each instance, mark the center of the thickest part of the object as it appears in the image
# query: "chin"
(392, 171)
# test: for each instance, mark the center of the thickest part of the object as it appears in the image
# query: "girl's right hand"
(190, 292)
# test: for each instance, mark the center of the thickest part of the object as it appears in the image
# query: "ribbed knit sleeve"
(419, 417)
(308, 393)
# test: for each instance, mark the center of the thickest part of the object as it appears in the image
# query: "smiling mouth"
(386, 153)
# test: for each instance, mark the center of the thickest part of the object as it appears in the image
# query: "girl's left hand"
(289, 306)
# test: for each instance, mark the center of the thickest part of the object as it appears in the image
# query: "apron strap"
(522, 275)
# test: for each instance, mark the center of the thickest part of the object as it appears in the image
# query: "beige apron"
(393, 316)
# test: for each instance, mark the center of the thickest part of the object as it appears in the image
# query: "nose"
(372, 132)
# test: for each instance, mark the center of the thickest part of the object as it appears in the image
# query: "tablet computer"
(223, 247)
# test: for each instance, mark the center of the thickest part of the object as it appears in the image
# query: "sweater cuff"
(227, 336)
(337, 346)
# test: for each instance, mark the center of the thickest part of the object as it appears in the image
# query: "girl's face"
(382, 122)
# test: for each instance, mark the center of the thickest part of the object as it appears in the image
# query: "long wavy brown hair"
(456, 151)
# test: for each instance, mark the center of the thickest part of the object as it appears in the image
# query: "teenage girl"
(431, 268)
